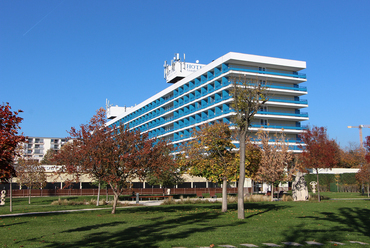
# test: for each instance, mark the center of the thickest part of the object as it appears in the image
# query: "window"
(263, 109)
(264, 122)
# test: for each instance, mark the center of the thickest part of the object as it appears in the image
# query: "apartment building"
(36, 147)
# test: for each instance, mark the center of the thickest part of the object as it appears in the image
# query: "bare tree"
(31, 174)
(248, 96)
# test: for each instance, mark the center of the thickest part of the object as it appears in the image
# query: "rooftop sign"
(179, 69)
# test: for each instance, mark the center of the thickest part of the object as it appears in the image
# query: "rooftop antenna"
(107, 105)
(165, 68)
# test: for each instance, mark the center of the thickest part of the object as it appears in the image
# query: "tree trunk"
(368, 190)
(272, 192)
(224, 195)
(318, 185)
(115, 200)
(97, 201)
(29, 195)
(252, 184)
(11, 195)
(241, 214)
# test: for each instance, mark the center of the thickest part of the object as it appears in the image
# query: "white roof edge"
(299, 65)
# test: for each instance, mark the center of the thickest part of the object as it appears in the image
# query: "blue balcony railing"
(269, 72)
(282, 113)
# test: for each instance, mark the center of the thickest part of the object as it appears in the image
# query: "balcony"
(266, 71)
(303, 114)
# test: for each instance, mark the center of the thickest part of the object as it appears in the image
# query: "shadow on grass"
(92, 227)
(331, 226)
(200, 218)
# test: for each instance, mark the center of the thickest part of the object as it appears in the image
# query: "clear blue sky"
(60, 60)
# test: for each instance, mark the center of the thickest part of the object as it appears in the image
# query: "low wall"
(151, 191)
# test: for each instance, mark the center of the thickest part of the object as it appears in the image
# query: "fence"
(141, 191)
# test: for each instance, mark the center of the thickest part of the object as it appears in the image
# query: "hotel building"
(200, 94)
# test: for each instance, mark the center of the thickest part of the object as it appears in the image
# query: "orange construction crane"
(360, 129)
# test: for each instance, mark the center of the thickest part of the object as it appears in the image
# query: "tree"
(210, 154)
(30, 173)
(132, 155)
(352, 157)
(114, 155)
(275, 160)
(169, 178)
(9, 140)
(48, 157)
(318, 151)
(248, 95)
(367, 148)
(363, 176)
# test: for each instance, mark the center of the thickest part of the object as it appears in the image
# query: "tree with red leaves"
(318, 151)
(9, 140)
(367, 148)
(114, 155)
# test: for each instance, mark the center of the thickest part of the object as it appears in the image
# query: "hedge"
(346, 182)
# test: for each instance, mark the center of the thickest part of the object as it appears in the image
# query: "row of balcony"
(262, 70)
(204, 104)
(217, 85)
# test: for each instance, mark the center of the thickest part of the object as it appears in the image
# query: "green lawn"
(41, 204)
(189, 225)
(337, 195)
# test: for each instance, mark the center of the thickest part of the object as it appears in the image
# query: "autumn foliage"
(210, 154)
(319, 151)
(114, 155)
(9, 139)
(275, 160)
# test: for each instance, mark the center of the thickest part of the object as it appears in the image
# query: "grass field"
(187, 225)
(337, 195)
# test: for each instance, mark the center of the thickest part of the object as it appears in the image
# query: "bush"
(188, 200)
(66, 202)
(346, 182)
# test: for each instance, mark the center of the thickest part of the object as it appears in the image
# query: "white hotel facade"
(200, 94)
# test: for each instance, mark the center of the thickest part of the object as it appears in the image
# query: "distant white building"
(36, 147)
